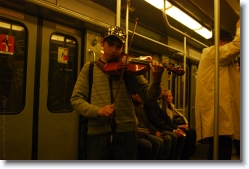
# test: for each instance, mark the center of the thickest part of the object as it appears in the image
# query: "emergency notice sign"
(62, 55)
(6, 44)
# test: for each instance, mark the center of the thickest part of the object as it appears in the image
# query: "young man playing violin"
(111, 116)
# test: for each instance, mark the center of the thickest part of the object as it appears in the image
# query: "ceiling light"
(9, 26)
(181, 17)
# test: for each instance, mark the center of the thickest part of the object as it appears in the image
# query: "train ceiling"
(201, 10)
(149, 17)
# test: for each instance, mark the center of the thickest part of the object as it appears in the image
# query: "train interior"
(55, 38)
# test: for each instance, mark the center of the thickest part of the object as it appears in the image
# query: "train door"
(57, 122)
(18, 36)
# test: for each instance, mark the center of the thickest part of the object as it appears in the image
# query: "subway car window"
(62, 62)
(13, 57)
(176, 83)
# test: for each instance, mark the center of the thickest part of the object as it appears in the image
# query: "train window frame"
(74, 65)
(12, 98)
(175, 84)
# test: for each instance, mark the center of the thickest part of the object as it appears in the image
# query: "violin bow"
(121, 76)
(136, 20)
(135, 26)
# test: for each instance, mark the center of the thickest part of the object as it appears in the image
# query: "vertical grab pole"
(184, 76)
(216, 77)
(127, 24)
(118, 12)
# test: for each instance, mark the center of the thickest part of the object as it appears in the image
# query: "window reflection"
(61, 77)
(13, 68)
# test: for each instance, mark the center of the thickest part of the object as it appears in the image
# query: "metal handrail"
(168, 25)
(152, 40)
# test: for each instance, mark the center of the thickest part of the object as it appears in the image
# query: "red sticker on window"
(6, 44)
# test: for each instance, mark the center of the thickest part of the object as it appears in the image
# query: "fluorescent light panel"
(57, 38)
(8, 26)
(183, 18)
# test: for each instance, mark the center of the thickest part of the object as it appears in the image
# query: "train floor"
(201, 152)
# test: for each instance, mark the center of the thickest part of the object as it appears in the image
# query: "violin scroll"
(171, 68)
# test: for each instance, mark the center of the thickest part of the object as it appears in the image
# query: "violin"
(137, 66)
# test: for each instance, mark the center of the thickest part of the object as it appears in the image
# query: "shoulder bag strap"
(90, 81)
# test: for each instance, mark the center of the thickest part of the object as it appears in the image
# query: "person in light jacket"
(229, 95)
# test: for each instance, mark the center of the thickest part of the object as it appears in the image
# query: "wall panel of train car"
(58, 123)
(18, 33)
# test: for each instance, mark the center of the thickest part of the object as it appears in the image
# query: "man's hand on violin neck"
(157, 72)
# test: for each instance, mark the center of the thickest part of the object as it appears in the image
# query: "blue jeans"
(150, 148)
(177, 144)
(166, 147)
(189, 146)
(123, 147)
(144, 149)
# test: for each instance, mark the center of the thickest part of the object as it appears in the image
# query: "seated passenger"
(150, 143)
(190, 142)
(163, 124)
